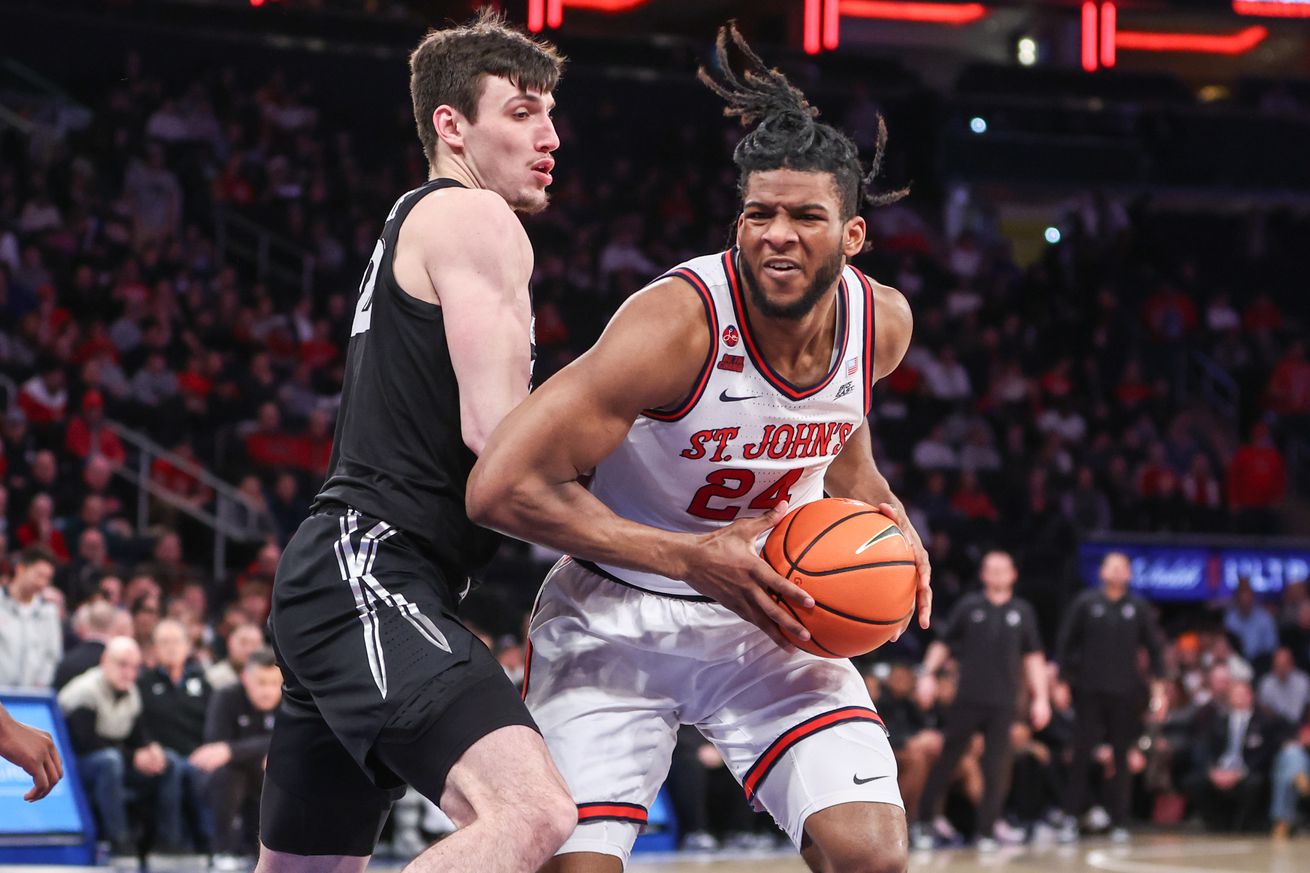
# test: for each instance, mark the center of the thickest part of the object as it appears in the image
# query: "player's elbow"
(483, 495)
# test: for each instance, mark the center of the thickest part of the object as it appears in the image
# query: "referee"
(993, 637)
(1100, 638)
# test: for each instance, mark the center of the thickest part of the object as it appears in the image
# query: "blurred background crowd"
(180, 246)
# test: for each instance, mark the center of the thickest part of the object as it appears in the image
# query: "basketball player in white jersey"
(730, 389)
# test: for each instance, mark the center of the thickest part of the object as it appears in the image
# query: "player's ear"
(449, 125)
(853, 236)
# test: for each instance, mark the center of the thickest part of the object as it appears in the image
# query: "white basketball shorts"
(614, 670)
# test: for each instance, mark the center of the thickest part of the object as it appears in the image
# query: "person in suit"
(1235, 753)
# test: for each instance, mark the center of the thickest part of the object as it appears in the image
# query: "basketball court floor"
(1175, 853)
(1179, 853)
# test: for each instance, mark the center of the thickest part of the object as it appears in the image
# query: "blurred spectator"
(88, 435)
(1235, 755)
(238, 727)
(94, 625)
(242, 641)
(43, 398)
(174, 700)
(1252, 625)
(1257, 481)
(39, 528)
(31, 638)
(1296, 636)
(1291, 782)
(1285, 690)
(114, 753)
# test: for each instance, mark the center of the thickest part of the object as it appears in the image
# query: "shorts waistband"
(589, 566)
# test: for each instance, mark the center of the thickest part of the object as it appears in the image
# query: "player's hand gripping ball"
(856, 564)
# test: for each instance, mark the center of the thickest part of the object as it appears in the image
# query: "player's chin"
(531, 201)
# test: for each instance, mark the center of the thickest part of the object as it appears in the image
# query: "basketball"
(856, 564)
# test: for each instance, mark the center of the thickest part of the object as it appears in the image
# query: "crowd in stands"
(1043, 398)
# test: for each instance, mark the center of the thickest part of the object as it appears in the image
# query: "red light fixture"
(1238, 43)
(550, 13)
(813, 38)
(911, 10)
(1090, 57)
(1109, 19)
(1273, 8)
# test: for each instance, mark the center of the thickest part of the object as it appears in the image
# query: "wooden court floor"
(1182, 853)
(1179, 853)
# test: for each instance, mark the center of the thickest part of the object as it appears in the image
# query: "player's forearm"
(1034, 666)
(566, 516)
(936, 657)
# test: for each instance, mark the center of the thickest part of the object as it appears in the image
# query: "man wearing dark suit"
(1235, 752)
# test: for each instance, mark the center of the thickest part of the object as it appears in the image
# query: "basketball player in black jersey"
(383, 685)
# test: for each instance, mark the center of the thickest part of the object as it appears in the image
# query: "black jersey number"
(364, 305)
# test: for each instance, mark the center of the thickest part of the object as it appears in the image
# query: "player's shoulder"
(674, 300)
(891, 305)
(457, 217)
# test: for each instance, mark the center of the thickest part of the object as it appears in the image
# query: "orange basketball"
(856, 564)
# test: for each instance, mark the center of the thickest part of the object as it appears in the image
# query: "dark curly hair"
(787, 136)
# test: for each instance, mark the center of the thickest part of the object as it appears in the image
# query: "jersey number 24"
(735, 484)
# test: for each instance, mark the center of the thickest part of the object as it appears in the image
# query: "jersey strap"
(689, 403)
(869, 370)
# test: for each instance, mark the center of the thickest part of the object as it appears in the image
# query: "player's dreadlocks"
(787, 136)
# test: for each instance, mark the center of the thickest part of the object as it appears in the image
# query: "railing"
(11, 392)
(233, 518)
(273, 257)
(1219, 389)
(1298, 464)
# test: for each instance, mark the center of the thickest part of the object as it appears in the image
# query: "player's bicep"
(649, 356)
(479, 262)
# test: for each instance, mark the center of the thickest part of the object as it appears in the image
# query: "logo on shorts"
(730, 335)
(858, 781)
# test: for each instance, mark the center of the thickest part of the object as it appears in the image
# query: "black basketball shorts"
(382, 685)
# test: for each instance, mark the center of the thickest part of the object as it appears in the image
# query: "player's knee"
(543, 826)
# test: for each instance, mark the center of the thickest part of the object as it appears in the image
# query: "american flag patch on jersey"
(852, 365)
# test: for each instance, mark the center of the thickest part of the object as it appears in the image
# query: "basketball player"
(733, 387)
(383, 685)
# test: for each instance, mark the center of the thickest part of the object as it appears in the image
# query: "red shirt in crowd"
(1257, 477)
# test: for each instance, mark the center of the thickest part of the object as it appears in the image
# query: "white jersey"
(745, 438)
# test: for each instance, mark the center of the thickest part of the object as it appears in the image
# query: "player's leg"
(802, 736)
(961, 721)
(509, 802)
(604, 695)
(841, 839)
(997, 762)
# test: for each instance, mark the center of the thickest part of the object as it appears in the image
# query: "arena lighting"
(1109, 17)
(978, 125)
(1052, 235)
(550, 13)
(1238, 43)
(1026, 51)
(1090, 59)
(1273, 8)
(813, 40)
(909, 10)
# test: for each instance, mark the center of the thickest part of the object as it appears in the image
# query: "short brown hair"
(36, 554)
(448, 67)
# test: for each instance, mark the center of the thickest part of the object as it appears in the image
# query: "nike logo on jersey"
(726, 398)
(859, 781)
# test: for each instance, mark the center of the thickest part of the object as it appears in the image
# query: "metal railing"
(1219, 389)
(233, 517)
(274, 258)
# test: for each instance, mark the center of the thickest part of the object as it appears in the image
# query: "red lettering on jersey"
(782, 440)
(698, 440)
(802, 440)
(843, 434)
(732, 363)
(751, 451)
(724, 435)
(818, 440)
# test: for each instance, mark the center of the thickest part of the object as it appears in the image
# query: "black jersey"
(398, 453)
(989, 642)
(1100, 639)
